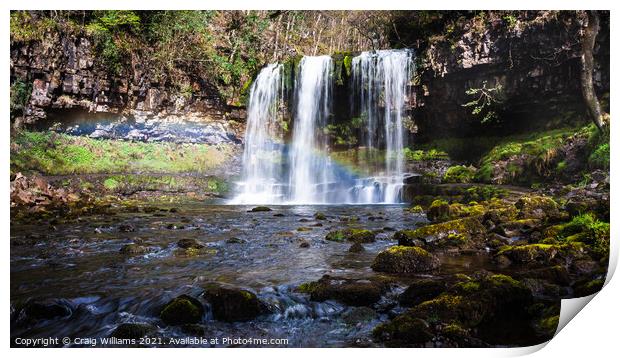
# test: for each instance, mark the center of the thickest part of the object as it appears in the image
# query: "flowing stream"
(302, 172)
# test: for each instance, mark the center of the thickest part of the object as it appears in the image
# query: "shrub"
(459, 174)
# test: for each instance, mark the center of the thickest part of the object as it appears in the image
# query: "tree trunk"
(587, 71)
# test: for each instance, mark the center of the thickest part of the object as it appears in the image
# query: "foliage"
(421, 155)
(25, 28)
(486, 103)
(20, 95)
(459, 174)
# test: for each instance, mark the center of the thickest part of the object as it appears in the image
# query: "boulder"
(405, 259)
(353, 292)
(232, 304)
(182, 310)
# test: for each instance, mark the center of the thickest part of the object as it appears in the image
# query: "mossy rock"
(538, 207)
(543, 254)
(258, 209)
(517, 227)
(459, 174)
(182, 310)
(133, 330)
(405, 259)
(450, 233)
(354, 235)
(420, 291)
(189, 244)
(231, 304)
(404, 330)
(133, 249)
(417, 209)
(320, 216)
(588, 287)
(440, 211)
(352, 292)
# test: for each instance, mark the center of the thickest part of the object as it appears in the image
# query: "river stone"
(259, 209)
(47, 309)
(133, 249)
(352, 292)
(182, 310)
(357, 247)
(189, 244)
(421, 291)
(405, 259)
(231, 304)
(133, 330)
(356, 315)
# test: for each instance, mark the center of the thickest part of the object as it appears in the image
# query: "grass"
(59, 154)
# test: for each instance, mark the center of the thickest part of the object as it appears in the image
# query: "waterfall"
(261, 154)
(302, 172)
(309, 166)
(380, 79)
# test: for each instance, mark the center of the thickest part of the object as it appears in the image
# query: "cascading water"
(261, 174)
(303, 172)
(310, 168)
(381, 79)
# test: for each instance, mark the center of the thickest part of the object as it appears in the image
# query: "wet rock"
(182, 310)
(352, 292)
(133, 249)
(133, 330)
(126, 228)
(404, 330)
(304, 228)
(304, 244)
(278, 215)
(259, 209)
(584, 267)
(421, 291)
(463, 233)
(517, 227)
(357, 247)
(235, 240)
(543, 254)
(538, 207)
(356, 315)
(175, 227)
(231, 304)
(189, 244)
(557, 274)
(319, 216)
(355, 235)
(588, 287)
(47, 309)
(405, 259)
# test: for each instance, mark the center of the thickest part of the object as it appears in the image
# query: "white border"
(593, 332)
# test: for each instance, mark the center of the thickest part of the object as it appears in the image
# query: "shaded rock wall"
(64, 74)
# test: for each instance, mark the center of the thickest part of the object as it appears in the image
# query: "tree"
(588, 38)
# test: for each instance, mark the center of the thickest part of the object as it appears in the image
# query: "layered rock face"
(64, 74)
(533, 59)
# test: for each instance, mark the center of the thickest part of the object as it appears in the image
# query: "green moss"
(447, 233)
(58, 154)
(459, 174)
(110, 184)
(424, 155)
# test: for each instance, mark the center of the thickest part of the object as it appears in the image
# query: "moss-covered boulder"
(232, 304)
(517, 227)
(459, 174)
(466, 232)
(189, 244)
(543, 254)
(538, 207)
(403, 331)
(258, 209)
(133, 330)
(479, 305)
(133, 249)
(353, 292)
(182, 310)
(440, 210)
(420, 291)
(405, 259)
(353, 235)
